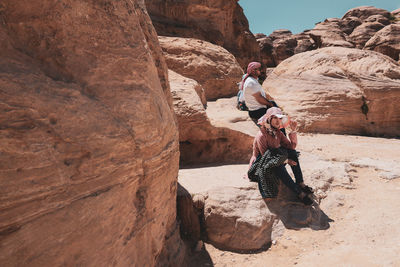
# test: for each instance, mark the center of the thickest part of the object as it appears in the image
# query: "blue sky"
(265, 16)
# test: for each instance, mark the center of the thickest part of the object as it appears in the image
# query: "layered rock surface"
(201, 140)
(235, 216)
(221, 22)
(89, 154)
(364, 12)
(386, 41)
(213, 67)
(339, 90)
(362, 27)
(329, 33)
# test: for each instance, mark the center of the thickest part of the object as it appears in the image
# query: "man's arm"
(262, 100)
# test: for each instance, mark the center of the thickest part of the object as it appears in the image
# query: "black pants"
(255, 115)
(285, 177)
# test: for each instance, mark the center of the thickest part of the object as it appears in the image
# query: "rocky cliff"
(364, 27)
(221, 22)
(339, 90)
(88, 140)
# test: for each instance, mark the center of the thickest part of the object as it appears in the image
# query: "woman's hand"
(292, 162)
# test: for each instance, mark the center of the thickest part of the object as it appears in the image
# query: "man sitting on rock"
(254, 95)
(267, 165)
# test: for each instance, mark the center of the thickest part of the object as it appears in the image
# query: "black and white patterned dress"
(262, 171)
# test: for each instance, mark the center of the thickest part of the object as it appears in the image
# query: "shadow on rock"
(190, 218)
(201, 258)
(295, 215)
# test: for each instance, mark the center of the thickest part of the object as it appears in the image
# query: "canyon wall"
(221, 22)
(88, 139)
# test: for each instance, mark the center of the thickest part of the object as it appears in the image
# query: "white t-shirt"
(252, 86)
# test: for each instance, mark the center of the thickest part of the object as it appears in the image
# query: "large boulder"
(282, 44)
(386, 41)
(339, 90)
(364, 32)
(283, 48)
(348, 24)
(372, 20)
(364, 12)
(212, 66)
(221, 22)
(266, 51)
(395, 15)
(304, 43)
(236, 218)
(88, 138)
(329, 33)
(201, 141)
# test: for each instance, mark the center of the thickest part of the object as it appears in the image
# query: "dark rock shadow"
(295, 215)
(200, 259)
(191, 224)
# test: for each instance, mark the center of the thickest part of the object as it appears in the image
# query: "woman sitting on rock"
(271, 150)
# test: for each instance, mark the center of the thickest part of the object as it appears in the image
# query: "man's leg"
(256, 114)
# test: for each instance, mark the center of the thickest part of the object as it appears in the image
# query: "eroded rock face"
(266, 51)
(386, 41)
(329, 33)
(237, 218)
(364, 12)
(89, 143)
(304, 43)
(357, 27)
(396, 14)
(349, 23)
(213, 67)
(221, 22)
(364, 32)
(200, 141)
(282, 44)
(339, 90)
(283, 48)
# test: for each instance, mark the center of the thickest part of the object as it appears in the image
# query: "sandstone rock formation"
(364, 32)
(283, 48)
(89, 143)
(349, 23)
(266, 51)
(221, 22)
(236, 218)
(304, 43)
(356, 28)
(396, 14)
(339, 90)
(364, 12)
(329, 33)
(200, 141)
(386, 41)
(282, 44)
(214, 68)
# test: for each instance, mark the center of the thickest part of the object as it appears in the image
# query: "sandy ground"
(365, 227)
